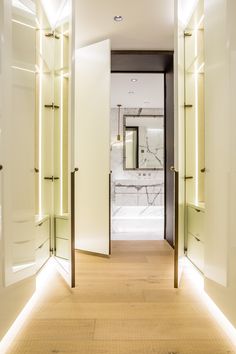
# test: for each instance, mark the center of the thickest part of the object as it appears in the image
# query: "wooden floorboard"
(122, 305)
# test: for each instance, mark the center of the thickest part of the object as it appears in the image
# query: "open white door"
(92, 148)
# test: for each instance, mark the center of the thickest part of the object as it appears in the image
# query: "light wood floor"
(122, 305)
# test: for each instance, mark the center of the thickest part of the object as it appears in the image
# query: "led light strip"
(196, 72)
(40, 121)
(196, 135)
(23, 69)
(24, 24)
(61, 126)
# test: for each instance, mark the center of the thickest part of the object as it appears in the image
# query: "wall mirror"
(143, 142)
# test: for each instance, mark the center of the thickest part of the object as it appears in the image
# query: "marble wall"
(137, 195)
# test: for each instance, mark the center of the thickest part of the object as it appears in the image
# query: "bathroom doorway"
(142, 146)
(137, 156)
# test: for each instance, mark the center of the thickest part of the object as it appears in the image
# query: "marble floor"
(125, 304)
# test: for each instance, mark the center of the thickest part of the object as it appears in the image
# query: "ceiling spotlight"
(118, 18)
(146, 102)
(134, 80)
(131, 92)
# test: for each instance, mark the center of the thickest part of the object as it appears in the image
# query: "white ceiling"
(149, 88)
(147, 24)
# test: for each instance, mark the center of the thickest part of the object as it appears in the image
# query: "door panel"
(17, 134)
(92, 152)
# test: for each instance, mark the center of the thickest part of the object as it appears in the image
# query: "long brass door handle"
(172, 168)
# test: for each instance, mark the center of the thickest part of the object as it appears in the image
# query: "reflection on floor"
(122, 305)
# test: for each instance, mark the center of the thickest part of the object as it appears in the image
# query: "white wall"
(220, 86)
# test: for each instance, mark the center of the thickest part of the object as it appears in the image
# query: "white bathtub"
(138, 223)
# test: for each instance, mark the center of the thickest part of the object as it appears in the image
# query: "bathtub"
(138, 223)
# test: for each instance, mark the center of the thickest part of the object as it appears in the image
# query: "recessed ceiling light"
(134, 80)
(131, 92)
(146, 102)
(118, 18)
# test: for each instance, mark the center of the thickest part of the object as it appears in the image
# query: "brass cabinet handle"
(52, 106)
(52, 35)
(198, 239)
(1, 167)
(203, 170)
(188, 177)
(22, 242)
(51, 178)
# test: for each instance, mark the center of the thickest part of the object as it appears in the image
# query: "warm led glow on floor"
(43, 281)
(197, 280)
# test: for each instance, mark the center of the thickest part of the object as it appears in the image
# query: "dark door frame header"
(143, 61)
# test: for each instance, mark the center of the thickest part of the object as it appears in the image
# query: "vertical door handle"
(172, 168)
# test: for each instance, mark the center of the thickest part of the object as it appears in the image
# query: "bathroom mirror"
(143, 142)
